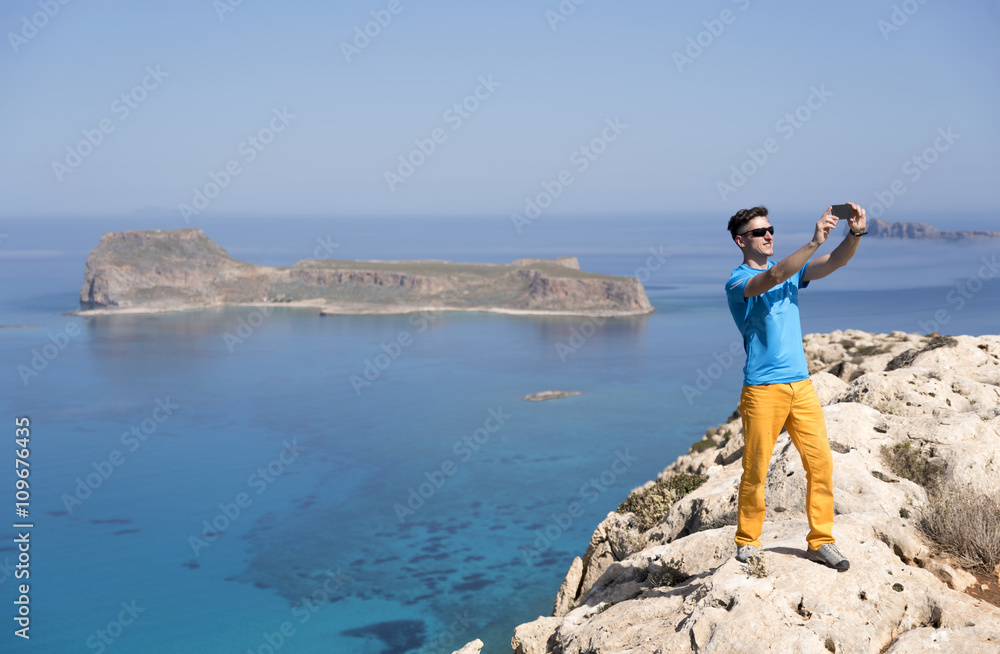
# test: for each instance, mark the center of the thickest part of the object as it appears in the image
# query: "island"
(549, 395)
(171, 270)
(923, 231)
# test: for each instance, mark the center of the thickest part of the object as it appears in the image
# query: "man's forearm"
(784, 269)
(843, 252)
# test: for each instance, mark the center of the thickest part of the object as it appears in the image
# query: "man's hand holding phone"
(853, 214)
(824, 226)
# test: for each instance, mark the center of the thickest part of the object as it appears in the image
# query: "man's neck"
(758, 262)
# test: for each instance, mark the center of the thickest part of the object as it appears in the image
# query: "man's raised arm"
(822, 266)
(784, 269)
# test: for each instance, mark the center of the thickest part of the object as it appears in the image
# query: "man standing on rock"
(777, 392)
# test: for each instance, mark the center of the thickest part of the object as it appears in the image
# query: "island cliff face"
(675, 586)
(184, 269)
(923, 231)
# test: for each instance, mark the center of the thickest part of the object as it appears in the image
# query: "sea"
(256, 480)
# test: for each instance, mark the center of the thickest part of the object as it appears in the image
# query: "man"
(777, 392)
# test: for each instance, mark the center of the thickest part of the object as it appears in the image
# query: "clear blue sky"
(889, 94)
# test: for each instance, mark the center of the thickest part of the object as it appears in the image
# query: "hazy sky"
(113, 106)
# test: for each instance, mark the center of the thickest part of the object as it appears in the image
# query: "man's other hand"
(825, 226)
(858, 222)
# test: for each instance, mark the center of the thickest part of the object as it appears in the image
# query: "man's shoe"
(746, 552)
(829, 555)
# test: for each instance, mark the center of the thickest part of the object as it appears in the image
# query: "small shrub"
(870, 349)
(914, 464)
(651, 504)
(685, 483)
(904, 513)
(703, 445)
(847, 343)
(605, 607)
(669, 573)
(757, 566)
(966, 525)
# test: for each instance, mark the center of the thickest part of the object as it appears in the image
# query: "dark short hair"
(742, 217)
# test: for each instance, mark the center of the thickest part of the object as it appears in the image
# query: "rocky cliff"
(674, 586)
(182, 269)
(923, 231)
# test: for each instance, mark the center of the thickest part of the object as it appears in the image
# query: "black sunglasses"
(760, 231)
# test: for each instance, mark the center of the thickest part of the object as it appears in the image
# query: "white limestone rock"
(569, 589)
(475, 647)
(534, 637)
(899, 596)
(828, 387)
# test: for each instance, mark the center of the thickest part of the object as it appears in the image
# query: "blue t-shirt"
(769, 322)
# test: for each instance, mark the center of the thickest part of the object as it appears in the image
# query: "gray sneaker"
(747, 552)
(829, 555)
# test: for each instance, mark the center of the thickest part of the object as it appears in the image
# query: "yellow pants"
(767, 408)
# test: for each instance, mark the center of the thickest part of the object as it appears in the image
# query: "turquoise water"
(315, 542)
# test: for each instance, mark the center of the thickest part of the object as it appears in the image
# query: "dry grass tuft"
(966, 525)
(757, 566)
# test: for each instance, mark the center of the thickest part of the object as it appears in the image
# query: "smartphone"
(843, 211)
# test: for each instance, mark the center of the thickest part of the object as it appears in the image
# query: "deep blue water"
(308, 479)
